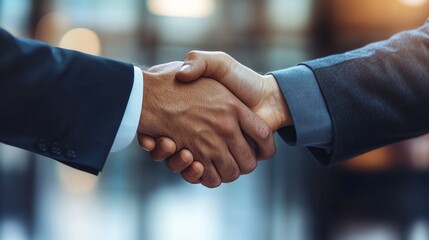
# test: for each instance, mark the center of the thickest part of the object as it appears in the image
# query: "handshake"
(210, 117)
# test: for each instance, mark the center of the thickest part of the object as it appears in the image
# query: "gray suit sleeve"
(374, 96)
(312, 123)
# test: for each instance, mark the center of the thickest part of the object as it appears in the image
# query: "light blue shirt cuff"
(312, 123)
(130, 121)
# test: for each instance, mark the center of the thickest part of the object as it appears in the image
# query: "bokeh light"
(12, 229)
(182, 8)
(414, 3)
(51, 28)
(380, 195)
(76, 182)
(298, 12)
(83, 40)
(14, 159)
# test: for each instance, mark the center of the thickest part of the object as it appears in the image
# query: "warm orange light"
(83, 40)
(414, 3)
(377, 160)
(182, 8)
(51, 28)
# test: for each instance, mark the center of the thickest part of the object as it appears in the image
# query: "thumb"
(146, 142)
(192, 69)
(199, 64)
(240, 80)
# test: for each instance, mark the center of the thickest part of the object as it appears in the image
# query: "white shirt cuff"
(130, 121)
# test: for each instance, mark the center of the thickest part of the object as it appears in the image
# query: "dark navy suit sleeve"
(60, 103)
(375, 95)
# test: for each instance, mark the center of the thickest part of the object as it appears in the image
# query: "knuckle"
(192, 54)
(183, 160)
(263, 130)
(211, 180)
(235, 174)
(166, 147)
(155, 156)
(250, 167)
(212, 184)
(174, 165)
(222, 54)
(228, 132)
(266, 151)
(191, 174)
(231, 104)
(190, 179)
(226, 128)
(166, 152)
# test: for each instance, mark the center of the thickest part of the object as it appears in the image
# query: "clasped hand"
(210, 117)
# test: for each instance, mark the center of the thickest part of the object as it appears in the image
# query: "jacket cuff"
(312, 123)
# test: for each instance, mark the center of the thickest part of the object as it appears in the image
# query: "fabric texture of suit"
(60, 103)
(375, 95)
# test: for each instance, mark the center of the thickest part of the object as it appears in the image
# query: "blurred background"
(380, 195)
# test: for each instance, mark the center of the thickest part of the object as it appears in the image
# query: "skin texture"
(258, 92)
(204, 117)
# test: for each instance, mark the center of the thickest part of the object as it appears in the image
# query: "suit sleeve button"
(42, 145)
(70, 153)
(55, 149)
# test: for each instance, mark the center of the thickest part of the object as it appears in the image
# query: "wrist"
(146, 108)
(280, 110)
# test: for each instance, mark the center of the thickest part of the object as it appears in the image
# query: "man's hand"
(206, 118)
(260, 93)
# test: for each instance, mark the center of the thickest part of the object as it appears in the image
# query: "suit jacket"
(375, 95)
(59, 103)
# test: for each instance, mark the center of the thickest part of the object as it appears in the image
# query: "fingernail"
(145, 149)
(158, 160)
(184, 68)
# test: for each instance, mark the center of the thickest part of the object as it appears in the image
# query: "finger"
(191, 71)
(243, 153)
(164, 148)
(258, 130)
(224, 69)
(179, 161)
(211, 177)
(193, 173)
(146, 142)
(208, 64)
(227, 167)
